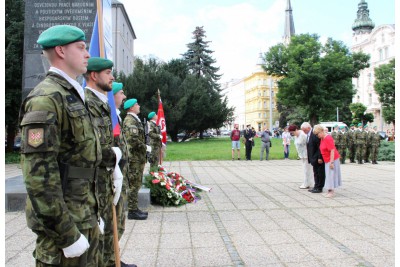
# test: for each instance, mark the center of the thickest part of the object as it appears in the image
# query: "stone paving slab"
(255, 215)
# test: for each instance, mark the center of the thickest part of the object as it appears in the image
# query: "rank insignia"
(35, 137)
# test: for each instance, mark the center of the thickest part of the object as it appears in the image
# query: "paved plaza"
(255, 215)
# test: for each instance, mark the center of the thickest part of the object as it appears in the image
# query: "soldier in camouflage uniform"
(351, 143)
(375, 143)
(360, 141)
(342, 144)
(155, 141)
(99, 81)
(60, 151)
(335, 133)
(367, 144)
(137, 148)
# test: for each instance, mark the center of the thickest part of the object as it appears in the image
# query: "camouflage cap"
(360, 124)
(116, 87)
(366, 126)
(341, 127)
(60, 35)
(151, 115)
(351, 125)
(99, 64)
(129, 103)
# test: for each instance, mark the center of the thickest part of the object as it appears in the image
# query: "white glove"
(118, 177)
(161, 136)
(148, 148)
(101, 226)
(77, 248)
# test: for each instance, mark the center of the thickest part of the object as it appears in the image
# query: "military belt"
(80, 173)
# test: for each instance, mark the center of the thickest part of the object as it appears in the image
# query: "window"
(386, 52)
(265, 93)
(265, 114)
(259, 105)
(380, 54)
(259, 115)
(369, 78)
(358, 98)
(265, 104)
(123, 57)
(370, 99)
(259, 93)
(383, 38)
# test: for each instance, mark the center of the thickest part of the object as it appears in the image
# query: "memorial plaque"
(41, 15)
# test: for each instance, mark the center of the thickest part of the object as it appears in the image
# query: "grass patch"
(12, 157)
(220, 149)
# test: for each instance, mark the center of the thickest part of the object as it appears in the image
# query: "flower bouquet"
(171, 189)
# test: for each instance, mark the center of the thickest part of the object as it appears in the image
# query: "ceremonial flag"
(97, 49)
(161, 121)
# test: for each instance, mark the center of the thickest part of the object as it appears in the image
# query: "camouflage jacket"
(101, 116)
(335, 136)
(350, 135)
(342, 139)
(375, 139)
(121, 142)
(154, 133)
(60, 151)
(360, 137)
(134, 133)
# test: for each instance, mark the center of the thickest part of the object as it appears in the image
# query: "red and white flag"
(161, 122)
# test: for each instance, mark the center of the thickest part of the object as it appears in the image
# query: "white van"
(330, 124)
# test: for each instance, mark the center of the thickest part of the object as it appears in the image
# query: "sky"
(240, 30)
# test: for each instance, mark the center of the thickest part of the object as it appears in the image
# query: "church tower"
(363, 25)
(289, 24)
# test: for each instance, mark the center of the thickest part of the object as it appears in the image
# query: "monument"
(42, 14)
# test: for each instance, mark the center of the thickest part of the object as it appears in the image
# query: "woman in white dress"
(300, 141)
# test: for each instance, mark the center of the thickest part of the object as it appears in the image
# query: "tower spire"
(363, 23)
(289, 23)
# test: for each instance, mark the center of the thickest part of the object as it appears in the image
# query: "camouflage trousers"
(352, 152)
(374, 153)
(45, 246)
(121, 208)
(360, 152)
(154, 158)
(135, 182)
(105, 197)
(342, 153)
(367, 153)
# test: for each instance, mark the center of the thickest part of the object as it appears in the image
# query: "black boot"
(123, 264)
(136, 215)
(143, 212)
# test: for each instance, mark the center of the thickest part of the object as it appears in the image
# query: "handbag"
(270, 143)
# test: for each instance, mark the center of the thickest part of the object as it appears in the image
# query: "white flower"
(177, 202)
(169, 195)
(162, 183)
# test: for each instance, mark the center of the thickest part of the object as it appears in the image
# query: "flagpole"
(161, 158)
(102, 54)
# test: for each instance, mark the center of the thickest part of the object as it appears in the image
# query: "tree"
(359, 115)
(314, 77)
(385, 87)
(14, 44)
(199, 59)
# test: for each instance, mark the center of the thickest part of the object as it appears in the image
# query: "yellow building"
(257, 99)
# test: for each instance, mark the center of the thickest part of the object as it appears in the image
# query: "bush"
(386, 151)
(12, 157)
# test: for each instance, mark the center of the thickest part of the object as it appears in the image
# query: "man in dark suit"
(248, 135)
(314, 158)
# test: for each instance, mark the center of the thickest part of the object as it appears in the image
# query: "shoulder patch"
(36, 137)
(71, 98)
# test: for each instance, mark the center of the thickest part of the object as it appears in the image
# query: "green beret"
(151, 115)
(366, 125)
(341, 127)
(360, 124)
(129, 103)
(116, 87)
(351, 125)
(98, 64)
(334, 126)
(60, 35)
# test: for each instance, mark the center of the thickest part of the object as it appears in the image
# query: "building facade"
(123, 39)
(379, 43)
(234, 91)
(260, 98)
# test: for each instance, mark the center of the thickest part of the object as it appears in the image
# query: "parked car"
(225, 132)
(383, 135)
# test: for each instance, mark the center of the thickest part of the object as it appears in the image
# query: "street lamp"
(270, 103)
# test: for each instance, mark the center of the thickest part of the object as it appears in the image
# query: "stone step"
(15, 195)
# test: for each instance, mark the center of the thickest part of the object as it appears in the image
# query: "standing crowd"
(78, 171)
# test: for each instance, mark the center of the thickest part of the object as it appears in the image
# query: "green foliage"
(359, 115)
(314, 77)
(387, 151)
(384, 85)
(14, 44)
(12, 157)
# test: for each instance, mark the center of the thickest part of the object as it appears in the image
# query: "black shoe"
(238, 158)
(143, 212)
(136, 215)
(374, 162)
(316, 191)
(310, 190)
(123, 264)
(366, 161)
(360, 162)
